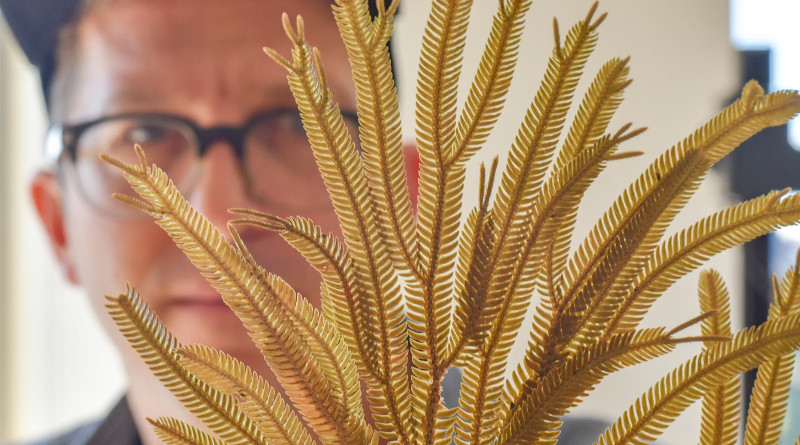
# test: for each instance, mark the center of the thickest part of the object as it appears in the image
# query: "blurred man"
(187, 80)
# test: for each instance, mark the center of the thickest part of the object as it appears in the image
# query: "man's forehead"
(181, 55)
(186, 22)
(37, 25)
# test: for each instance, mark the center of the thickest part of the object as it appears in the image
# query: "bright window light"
(773, 24)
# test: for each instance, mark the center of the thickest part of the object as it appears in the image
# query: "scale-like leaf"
(379, 121)
(662, 403)
(258, 400)
(157, 348)
(344, 177)
(600, 273)
(769, 400)
(721, 407)
(689, 248)
(295, 340)
(492, 81)
(174, 432)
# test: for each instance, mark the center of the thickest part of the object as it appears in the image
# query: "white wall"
(56, 366)
(683, 69)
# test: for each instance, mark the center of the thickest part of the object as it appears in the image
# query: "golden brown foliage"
(439, 292)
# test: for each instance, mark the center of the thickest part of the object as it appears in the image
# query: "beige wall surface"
(55, 366)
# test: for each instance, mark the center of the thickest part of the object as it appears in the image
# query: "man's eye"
(292, 122)
(145, 134)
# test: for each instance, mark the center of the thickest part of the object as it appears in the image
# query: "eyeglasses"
(275, 160)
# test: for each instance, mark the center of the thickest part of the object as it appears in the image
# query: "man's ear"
(48, 200)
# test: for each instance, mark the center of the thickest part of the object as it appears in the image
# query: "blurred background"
(689, 59)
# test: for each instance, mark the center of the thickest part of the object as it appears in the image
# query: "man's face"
(201, 59)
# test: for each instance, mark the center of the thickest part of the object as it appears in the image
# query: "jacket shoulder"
(76, 436)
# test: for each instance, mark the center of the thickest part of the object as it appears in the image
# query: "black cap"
(37, 24)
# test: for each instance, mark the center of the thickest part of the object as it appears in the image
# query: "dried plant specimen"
(406, 297)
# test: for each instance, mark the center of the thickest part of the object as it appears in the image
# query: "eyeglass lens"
(279, 166)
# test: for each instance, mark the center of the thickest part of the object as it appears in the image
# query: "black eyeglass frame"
(64, 138)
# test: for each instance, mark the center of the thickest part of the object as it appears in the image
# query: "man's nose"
(219, 185)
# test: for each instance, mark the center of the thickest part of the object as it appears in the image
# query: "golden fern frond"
(536, 416)
(429, 302)
(526, 163)
(157, 348)
(787, 293)
(383, 24)
(439, 72)
(488, 370)
(341, 168)
(440, 186)
(721, 407)
(714, 299)
(453, 295)
(343, 297)
(769, 401)
(770, 397)
(635, 222)
(555, 208)
(325, 344)
(379, 121)
(325, 253)
(724, 401)
(474, 311)
(591, 121)
(174, 432)
(439, 208)
(661, 404)
(537, 137)
(296, 342)
(561, 193)
(597, 108)
(259, 401)
(480, 402)
(689, 248)
(492, 81)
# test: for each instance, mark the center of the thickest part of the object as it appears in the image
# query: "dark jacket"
(119, 429)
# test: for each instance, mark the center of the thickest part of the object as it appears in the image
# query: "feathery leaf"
(721, 410)
(156, 346)
(294, 339)
(687, 249)
(259, 401)
(769, 399)
(662, 403)
(174, 432)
